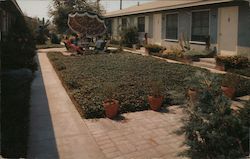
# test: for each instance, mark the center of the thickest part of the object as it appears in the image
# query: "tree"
(61, 9)
(42, 32)
(18, 50)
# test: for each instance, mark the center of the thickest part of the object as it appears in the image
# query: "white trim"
(197, 42)
(171, 40)
(191, 22)
(89, 15)
(178, 24)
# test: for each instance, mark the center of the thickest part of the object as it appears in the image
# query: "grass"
(131, 76)
(15, 98)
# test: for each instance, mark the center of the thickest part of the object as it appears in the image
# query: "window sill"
(171, 40)
(197, 42)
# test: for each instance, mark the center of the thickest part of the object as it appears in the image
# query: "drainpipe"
(120, 4)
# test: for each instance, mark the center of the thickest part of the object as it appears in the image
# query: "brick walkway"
(140, 135)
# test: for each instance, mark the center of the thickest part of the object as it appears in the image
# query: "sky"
(40, 8)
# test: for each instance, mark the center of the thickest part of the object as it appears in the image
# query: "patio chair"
(100, 45)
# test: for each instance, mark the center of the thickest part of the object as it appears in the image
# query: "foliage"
(18, 50)
(230, 80)
(54, 39)
(243, 71)
(157, 88)
(244, 114)
(200, 54)
(130, 36)
(172, 53)
(61, 9)
(212, 130)
(154, 48)
(233, 61)
(130, 75)
(15, 105)
(42, 32)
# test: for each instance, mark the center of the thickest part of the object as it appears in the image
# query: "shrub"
(54, 39)
(154, 48)
(212, 130)
(129, 36)
(233, 61)
(244, 114)
(173, 53)
(18, 49)
(15, 106)
(59, 65)
(200, 54)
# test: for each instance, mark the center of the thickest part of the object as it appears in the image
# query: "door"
(228, 31)
(157, 29)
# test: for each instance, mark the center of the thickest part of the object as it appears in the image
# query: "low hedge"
(154, 48)
(237, 62)
(130, 76)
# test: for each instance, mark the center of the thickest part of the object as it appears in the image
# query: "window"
(124, 23)
(200, 26)
(141, 24)
(172, 26)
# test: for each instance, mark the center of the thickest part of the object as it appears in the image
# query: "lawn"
(131, 76)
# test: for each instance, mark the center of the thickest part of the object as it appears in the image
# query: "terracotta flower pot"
(192, 95)
(111, 108)
(220, 67)
(228, 91)
(155, 102)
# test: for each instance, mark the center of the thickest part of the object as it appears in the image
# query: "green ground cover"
(131, 76)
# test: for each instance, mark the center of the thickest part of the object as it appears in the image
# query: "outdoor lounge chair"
(100, 46)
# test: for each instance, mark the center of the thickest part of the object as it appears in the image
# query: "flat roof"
(17, 6)
(161, 5)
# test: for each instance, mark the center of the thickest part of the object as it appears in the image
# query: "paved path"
(140, 135)
(57, 130)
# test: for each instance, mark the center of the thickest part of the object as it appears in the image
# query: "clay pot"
(228, 91)
(111, 108)
(220, 67)
(192, 95)
(155, 102)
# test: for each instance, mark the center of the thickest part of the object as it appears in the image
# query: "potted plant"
(228, 85)
(192, 94)
(155, 99)
(111, 106)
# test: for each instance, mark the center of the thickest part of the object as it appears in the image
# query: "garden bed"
(242, 71)
(47, 46)
(131, 75)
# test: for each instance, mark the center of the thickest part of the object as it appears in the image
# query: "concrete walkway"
(56, 128)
